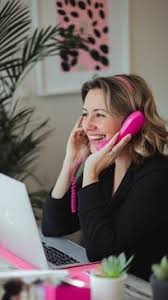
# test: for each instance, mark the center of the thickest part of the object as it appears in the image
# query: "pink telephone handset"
(132, 125)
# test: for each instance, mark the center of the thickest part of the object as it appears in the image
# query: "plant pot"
(107, 288)
(159, 288)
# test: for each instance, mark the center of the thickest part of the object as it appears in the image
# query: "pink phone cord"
(73, 186)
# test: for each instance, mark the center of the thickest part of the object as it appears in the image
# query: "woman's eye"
(100, 115)
(84, 114)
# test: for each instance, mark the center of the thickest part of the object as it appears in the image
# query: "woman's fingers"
(113, 148)
(110, 144)
(77, 129)
(120, 145)
(78, 123)
(79, 132)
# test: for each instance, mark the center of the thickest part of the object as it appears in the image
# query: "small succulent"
(114, 266)
(160, 270)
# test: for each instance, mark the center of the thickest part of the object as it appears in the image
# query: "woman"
(122, 202)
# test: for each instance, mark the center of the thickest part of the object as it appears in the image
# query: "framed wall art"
(105, 23)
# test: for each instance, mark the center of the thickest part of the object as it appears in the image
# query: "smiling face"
(98, 124)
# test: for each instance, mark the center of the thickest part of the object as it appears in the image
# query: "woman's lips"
(96, 138)
(98, 141)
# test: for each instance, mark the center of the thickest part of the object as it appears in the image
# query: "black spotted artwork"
(90, 19)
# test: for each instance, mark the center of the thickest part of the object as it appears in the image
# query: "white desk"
(137, 289)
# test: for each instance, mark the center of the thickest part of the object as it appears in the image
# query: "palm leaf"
(14, 26)
(41, 44)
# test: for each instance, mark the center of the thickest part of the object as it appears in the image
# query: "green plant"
(21, 136)
(114, 266)
(160, 270)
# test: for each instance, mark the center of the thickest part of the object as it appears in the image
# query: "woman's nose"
(89, 124)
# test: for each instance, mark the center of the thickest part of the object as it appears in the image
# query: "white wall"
(149, 48)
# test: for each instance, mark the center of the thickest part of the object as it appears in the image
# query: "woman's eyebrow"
(96, 109)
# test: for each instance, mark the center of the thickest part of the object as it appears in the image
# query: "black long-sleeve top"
(134, 220)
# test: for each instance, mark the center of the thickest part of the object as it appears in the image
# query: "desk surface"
(137, 289)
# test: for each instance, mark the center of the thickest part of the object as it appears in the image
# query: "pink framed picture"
(105, 23)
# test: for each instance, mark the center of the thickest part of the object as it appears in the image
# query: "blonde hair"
(125, 94)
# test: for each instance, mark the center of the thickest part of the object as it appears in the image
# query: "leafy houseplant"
(107, 282)
(159, 279)
(20, 50)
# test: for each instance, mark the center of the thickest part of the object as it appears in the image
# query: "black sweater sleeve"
(57, 218)
(110, 229)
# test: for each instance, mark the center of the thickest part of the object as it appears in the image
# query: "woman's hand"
(78, 144)
(102, 159)
(77, 150)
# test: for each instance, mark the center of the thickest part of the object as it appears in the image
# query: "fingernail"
(129, 136)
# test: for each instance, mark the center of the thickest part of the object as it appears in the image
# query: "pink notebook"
(14, 260)
(65, 292)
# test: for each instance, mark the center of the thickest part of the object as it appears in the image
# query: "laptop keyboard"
(57, 257)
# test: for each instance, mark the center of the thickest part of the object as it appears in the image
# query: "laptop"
(20, 235)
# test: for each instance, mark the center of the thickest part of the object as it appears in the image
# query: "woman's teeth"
(97, 137)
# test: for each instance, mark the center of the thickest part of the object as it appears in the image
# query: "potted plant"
(107, 281)
(159, 279)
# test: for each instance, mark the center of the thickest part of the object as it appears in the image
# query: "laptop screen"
(18, 229)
